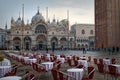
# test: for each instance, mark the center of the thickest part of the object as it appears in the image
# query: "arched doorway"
(41, 42)
(78, 46)
(54, 43)
(27, 42)
(16, 43)
(63, 42)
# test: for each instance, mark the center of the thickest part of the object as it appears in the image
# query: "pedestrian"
(83, 50)
(46, 50)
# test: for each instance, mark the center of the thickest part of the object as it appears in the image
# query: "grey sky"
(80, 11)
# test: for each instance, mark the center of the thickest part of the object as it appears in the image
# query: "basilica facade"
(38, 34)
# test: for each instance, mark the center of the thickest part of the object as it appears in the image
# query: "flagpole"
(47, 27)
(22, 25)
(68, 26)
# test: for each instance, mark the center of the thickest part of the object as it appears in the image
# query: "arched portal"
(54, 43)
(63, 42)
(41, 42)
(27, 42)
(16, 43)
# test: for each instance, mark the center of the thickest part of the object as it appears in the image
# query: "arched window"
(40, 29)
(91, 31)
(71, 39)
(83, 31)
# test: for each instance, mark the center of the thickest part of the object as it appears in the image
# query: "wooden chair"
(64, 76)
(95, 60)
(113, 61)
(91, 71)
(102, 70)
(112, 71)
(89, 59)
(101, 61)
(13, 72)
(55, 74)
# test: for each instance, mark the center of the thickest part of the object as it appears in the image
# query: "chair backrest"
(101, 61)
(26, 75)
(112, 69)
(70, 62)
(100, 68)
(95, 60)
(89, 58)
(54, 74)
(34, 65)
(13, 72)
(91, 71)
(75, 62)
(113, 61)
(61, 75)
(80, 66)
(64, 76)
(32, 77)
(59, 66)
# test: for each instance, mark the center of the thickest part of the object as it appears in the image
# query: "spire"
(57, 21)
(38, 10)
(6, 26)
(19, 18)
(19, 14)
(12, 20)
(54, 18)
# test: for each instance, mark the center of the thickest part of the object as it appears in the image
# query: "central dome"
(19, 22)
(37, 18)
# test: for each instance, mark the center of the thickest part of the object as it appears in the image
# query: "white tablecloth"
(4, 70)
(75, 72)
(83, 58)
(5, 62)
(84, 63)
(11, 78)
(106, 61)
(61, 59)
(48, 65)
(69, 57)
(58, 56)
(118, 67)
(30, 61)
(26, 59)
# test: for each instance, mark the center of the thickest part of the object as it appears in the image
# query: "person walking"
(83, 50)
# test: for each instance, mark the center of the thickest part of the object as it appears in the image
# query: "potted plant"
(1, 58)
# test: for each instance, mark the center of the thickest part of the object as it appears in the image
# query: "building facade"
(2, 39)
(38, 34)
(107, 23)
(84, 35)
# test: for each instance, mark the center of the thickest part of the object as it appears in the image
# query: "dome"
(54, 23)
(18, 22)
(64, 22)
(38, 17)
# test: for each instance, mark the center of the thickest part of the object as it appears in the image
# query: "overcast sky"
(80, 11)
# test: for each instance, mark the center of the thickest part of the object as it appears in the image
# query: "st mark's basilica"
(39, 34)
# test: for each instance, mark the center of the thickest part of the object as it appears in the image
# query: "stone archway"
(54, 43)
(63, 43)
(27, 42)
(16, 43)
(41, 42)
